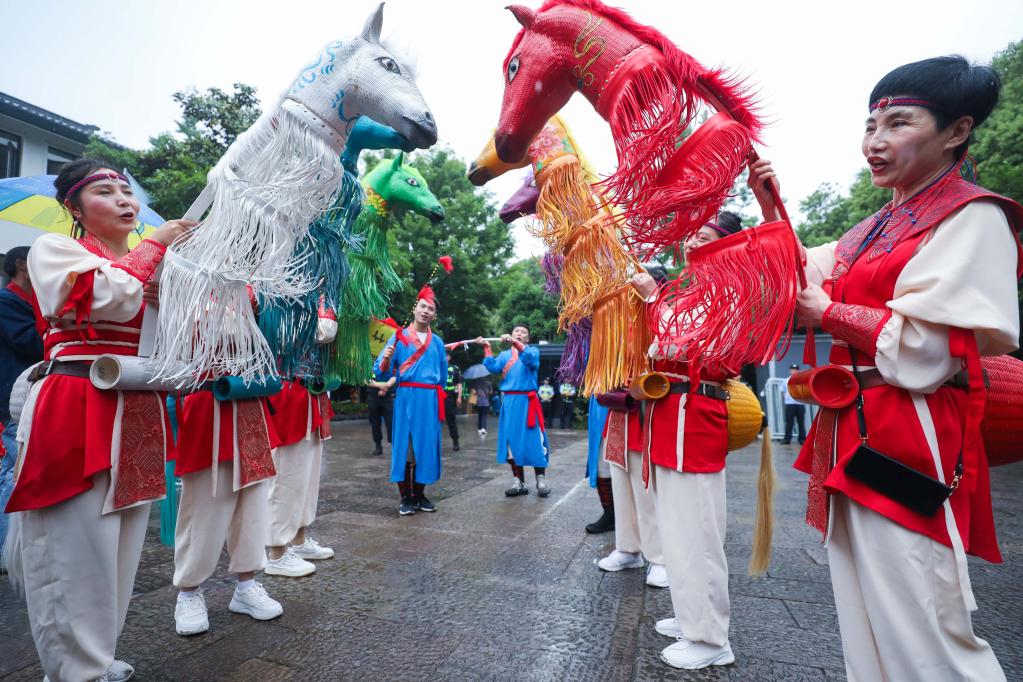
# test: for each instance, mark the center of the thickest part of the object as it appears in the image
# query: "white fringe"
(272, 183)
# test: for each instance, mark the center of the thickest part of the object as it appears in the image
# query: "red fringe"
(693, 185)
(734, 303)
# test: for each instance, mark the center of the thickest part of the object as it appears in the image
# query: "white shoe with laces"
(617, 561)
(289, 565)
(255, 602)
(657, 575)
(310, 550)
(119, 671)
(689, 655)
(190, 617)
(669, 628)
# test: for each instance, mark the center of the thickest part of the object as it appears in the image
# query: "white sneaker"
(669, 628)
(657, 575)
(616, 561)
(695, 655)
(289, 565)
(256, 603)
(189, 614)
(119, 671)
(483, 432)
(310, 550)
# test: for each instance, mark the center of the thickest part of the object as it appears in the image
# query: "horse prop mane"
(273, 182)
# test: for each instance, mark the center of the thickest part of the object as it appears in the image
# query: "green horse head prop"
(393, 185)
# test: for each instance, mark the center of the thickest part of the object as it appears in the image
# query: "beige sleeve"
(962, 275)
(54, 264)
(820, 262)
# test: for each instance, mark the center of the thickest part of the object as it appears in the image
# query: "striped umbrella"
(28, 209)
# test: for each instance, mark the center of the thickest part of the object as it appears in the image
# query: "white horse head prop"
(272, 183)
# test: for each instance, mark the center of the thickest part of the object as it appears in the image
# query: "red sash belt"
(535, 414)
(433, 387)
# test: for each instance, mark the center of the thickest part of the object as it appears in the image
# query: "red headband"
(886, 103)
(93, 178)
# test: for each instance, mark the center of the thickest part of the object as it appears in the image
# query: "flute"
(466, 342)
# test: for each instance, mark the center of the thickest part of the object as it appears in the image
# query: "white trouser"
(603, 468)
(79, 569)
(206, 522)
(900, 605)
(295, 490)
(635, 516)
(691, 517)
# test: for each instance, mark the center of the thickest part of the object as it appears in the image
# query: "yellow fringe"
(565, 202)
(619, 343)
(595, 265)
(763, 527)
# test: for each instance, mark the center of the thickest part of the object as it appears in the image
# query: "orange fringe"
(565, 202)
(596, 263)
(618, 346)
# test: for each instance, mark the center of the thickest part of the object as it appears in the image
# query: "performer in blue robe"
(416, 357)
(597, 469)
(521, 436)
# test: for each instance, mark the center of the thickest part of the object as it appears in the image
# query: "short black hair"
(12, 258)
(730, 221)
(521, 324)
(658, 272)
(954, 86)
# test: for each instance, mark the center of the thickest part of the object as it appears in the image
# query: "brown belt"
(709, 390)
(871, 378)
(71, 369)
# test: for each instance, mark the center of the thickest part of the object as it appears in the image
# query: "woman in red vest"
(912, 296)
(92, 460)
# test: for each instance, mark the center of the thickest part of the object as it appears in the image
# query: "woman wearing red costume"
(686, 446)
(93, 460)
(910, 296)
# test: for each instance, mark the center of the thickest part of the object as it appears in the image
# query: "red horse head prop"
(647, 89)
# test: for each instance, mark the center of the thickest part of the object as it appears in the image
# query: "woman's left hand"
(811, 304)
(151, 294)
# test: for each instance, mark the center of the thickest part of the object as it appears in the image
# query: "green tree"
(997, 147)
(173, 170)
(524, 301)
(827, 215)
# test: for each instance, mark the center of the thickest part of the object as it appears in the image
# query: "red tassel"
(693, 185)
(734, 303)
(445, 262)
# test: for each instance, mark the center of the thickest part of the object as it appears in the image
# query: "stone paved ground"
(491, 588)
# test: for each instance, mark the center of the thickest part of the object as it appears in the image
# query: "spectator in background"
(453, 400)
(567, 412)
(795, 412)
(20, 346)
(483, 389)
(380, 399)
(546, 393)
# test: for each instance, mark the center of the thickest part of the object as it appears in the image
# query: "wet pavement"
(493, 588)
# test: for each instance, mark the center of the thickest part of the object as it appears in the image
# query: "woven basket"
(1002, 427)
(745, 418)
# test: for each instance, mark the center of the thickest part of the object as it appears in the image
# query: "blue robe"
(594, 433)
(415, 409)
(529, 446)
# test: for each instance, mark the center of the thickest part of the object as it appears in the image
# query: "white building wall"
(35, 143)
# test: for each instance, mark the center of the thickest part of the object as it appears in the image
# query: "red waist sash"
(535, 414)
(441, 394)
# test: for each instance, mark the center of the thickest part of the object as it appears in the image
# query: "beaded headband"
(886, 103)
(93, 178)
(720, 229)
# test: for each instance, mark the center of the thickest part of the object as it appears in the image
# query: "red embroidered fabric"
(615, 447)
(140, 470)
(326, 412)
(141, 261)
(857, 325)
(816, 494)
(254, 455)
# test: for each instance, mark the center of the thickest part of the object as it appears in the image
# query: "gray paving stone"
(492, 588)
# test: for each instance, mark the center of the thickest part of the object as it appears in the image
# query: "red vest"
(871, 282)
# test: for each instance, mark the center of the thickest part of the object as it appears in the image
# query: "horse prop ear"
(523, 14)
(375, 22)
(398, 161)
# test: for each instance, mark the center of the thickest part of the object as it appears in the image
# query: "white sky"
(116, 64)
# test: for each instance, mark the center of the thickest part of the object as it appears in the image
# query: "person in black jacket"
(20, 346)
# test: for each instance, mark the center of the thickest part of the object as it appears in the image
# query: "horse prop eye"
(412, 181)
(513, 68)
(389, 64)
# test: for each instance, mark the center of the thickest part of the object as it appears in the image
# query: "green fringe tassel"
(350, 361)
